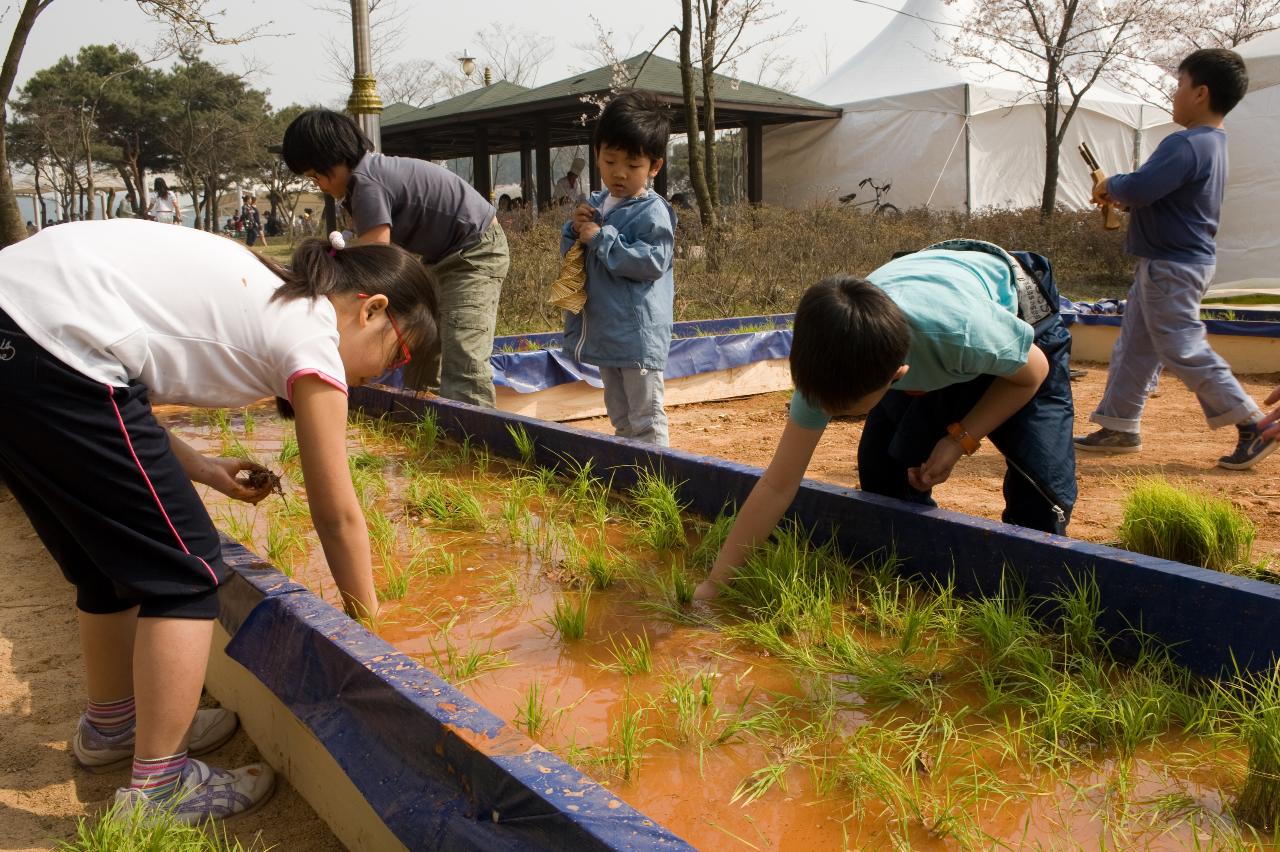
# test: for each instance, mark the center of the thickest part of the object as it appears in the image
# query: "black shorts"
(94, 472)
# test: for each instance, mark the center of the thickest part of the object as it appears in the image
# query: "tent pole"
(968, 180)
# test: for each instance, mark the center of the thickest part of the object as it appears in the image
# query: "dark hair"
(374, 269)
(849, 339)
(160, 187)
(319, 139)
(635, 122)
(1222, 71)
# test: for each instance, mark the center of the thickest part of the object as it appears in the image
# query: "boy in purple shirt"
(1174, 202)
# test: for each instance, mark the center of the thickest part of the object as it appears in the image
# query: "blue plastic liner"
(441, 771)
(1210, 620)
(1111, 311)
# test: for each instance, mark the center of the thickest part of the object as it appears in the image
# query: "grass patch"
(1172, 522)
(150, 831)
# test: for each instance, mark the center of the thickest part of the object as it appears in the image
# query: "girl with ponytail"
(92, 332)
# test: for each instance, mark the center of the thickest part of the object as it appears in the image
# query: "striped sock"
(159, 777)
(111, 718)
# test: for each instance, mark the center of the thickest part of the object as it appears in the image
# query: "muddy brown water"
(495, 604)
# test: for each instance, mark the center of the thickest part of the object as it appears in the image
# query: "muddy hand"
(937, 467)
(707, 590)
(222, 477)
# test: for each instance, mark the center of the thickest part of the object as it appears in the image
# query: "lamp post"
(364, 104)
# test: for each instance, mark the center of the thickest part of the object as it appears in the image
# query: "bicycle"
(879, 206)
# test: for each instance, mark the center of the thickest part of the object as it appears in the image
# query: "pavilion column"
(481, 178)
(526, 165)
(755, 161)
(593, 174)
(542, 143)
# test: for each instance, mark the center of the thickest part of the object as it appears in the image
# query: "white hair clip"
(336, 242)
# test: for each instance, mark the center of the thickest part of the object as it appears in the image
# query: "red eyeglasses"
(404, 347)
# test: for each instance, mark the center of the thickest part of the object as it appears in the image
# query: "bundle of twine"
(569, 291)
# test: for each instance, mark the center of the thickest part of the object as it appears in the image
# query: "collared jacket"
(630, 286)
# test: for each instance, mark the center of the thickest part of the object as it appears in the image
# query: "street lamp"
(468, 64)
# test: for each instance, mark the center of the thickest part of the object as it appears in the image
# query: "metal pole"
(364, 104)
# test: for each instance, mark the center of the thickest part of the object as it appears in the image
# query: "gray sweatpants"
(633, 398)
(1162, 326)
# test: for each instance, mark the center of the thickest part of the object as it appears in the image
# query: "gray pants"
(1162, 326)
(467, 286)
(633, 398)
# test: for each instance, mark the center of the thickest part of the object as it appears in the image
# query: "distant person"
(569, 191)
(680, 201)
(251, 220)
(307, 222)
(433, 213)
(164, 204)
(628, 235)
(97, 333)
(1174, 203)
(31, 228)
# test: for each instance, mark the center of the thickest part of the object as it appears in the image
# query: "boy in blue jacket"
(628, 237)
(1174, 202)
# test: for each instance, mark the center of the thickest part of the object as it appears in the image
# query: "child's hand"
(1270, 424)
(1100, 195)
(937, 467)
(587, 232)
(707, 590)
(582, 214)
(220, 475)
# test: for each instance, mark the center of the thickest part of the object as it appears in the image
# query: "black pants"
(94, 471)
(1040, 478)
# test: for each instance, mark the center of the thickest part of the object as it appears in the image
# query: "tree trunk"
(1049, 194)
(91, 188)
(710, 164)
(37, 203)
(697, 176)
(11, 227)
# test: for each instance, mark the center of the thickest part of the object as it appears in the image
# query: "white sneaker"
(206, 793)
(210, 730)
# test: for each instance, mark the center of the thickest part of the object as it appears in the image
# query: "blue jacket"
(630, 286)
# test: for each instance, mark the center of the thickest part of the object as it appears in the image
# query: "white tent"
(1249, 235)
(949, 137)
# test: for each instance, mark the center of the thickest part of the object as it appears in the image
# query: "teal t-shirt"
(963, 311)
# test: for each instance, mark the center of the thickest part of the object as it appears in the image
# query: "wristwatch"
(961, 436)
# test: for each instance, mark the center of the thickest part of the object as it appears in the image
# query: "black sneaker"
(1109, 441)
(1250, 449)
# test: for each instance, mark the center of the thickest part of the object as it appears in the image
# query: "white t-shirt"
(164, 209)
(184, 312)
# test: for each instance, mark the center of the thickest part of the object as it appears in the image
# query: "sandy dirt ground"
(42, 792)
(1176, 443)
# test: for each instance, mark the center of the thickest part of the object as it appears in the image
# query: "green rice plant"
(630, 657)
(249, 421)
(788, 582)
(459, 665)
(289, 448)
(679, 588)
(396, 580)
(383, 536)
(1079, 604)
(367, 477)
(446, 502)
(381, 427)
(1171, 522)
(531, 711)
(628, 740)
(712, 539)
(150, 830)
(525, 447)
(220, 420)
(569, 617)
(1252, 702)
(425, 433)
(482, 459)
(284, 543)
(236, 524)
(658, 512)
(601, 565)
(513, 512)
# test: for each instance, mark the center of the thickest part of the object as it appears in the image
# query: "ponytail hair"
(317, 270)
(161, 188)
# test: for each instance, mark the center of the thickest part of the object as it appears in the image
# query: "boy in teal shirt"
(940, 349)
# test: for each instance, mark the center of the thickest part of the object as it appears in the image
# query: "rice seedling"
(601, 565)
(1252, 703)
(446, 502)
(459, 665)
(1171, 522)
(383, 536)
(150, 829)
(249, 422)
(532, 716)
(679, 588)
(381, 427)
(712, 539)
(425, 433)
(525, 447)
(289, 448)
(628, 740)
(658, 512)
(367, 477)
(284, 543)
(630, 657)
(220, 420)
(569, 616)
(237, 524)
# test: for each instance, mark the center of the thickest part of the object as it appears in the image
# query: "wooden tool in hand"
(1110, 216)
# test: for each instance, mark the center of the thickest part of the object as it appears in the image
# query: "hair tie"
(336, 243)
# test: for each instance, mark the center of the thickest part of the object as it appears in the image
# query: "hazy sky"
(290, 61)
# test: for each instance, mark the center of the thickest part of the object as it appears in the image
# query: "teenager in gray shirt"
(431, 212)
